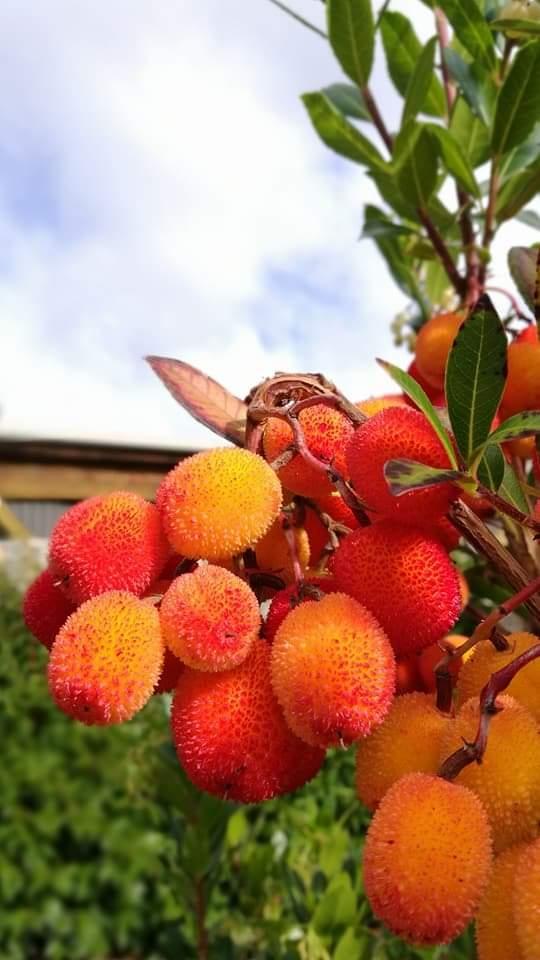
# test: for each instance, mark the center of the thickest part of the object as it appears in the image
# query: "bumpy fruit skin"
(522, 390)
(426, 859)
(405, 578)
(374, 405)
(286, 600)
(508, 779)
(333, 670)
(433, 345)
(170, 673)
(485, 660)
(432, 655)
(210, 618)
(496, 933)
(231, 737)
(109, 542)
(273, 555)
(393, 434)
(407, 741)
(527, 902)
(45, 608)
(218, 503)
(326, 432)
(106, 659)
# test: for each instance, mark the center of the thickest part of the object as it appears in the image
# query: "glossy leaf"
(517, 192)
(338, 134)
(347, 99)
(522, 262)
(420, 82)
(471, 29)
(403, 475)
(518, 102)
(416, 157)
(523, 155)
(491, 468)
(413, 390)
(510, 489)
(390, 246)
(475, 84)
(454, 159)
(470, 133)
(403, 50)
(524, 424)
(351, 32)
(205, 399)
(475, 377)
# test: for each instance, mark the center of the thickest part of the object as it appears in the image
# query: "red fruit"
(407, 675)
(522, 390)
(231, 737)
(405, 578)
(326, 432)
(394, 434)
(109, 542)
(170, 673)
(434, 394)
(528, 335)
(210, 618)
(333, 670)
(45, 608)
(106, 659)
(286, 600)
(432, 656)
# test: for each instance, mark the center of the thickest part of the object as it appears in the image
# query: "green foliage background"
(104, 846)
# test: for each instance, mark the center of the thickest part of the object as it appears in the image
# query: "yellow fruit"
(218, 503)
(527, 901)
(496, 934)
(272, 551)
(426, 858)
(508, 779)
(485, 660)
(407, 741)
(433, 345)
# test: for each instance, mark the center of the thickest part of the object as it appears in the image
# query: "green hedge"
(106, 850)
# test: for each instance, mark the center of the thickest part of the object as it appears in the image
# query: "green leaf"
(403, 475)
(416, 159)
(491, 468)
(510, 489)
(525, 424)
(522, 262)
(524, 27)
(475, 84)
(419, 84)
(337, 906)
(435, 281)
(338, 134)
(521, 156)
(471, 29)
(518, 102)
(347, 99)
(454, 160)
(378, 224)
(351, 32)
(413, 390)
(390, 246)
(475, 377)
(403, 51)
(350, 946)
(518, 191)
(470, 133)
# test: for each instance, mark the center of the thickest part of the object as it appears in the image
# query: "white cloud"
(164, 193)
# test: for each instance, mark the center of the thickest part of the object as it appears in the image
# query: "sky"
(162, 192)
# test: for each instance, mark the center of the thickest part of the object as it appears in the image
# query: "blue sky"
(161, 191)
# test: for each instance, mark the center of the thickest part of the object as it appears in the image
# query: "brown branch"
(515, 305)
(510, 511)
(481, 537)
(499, 681)
(288, 529)
(200, 920)
(378, 121)
(452, 272)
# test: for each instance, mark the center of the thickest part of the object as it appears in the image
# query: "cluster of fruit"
(282, 617)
